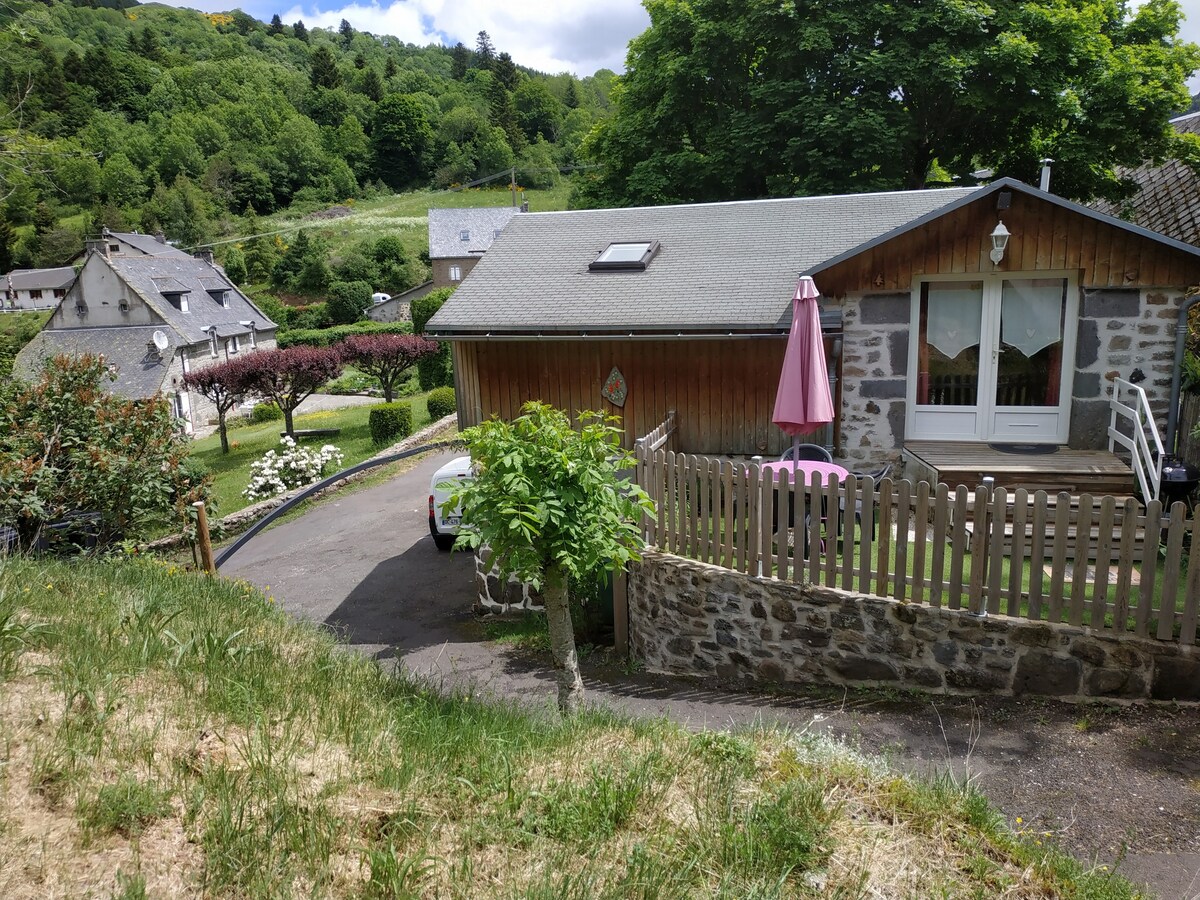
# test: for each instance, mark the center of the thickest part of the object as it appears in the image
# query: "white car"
(380, 297)
(444, 528)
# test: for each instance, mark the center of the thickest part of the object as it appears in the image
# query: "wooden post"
(204, 539)
(621, 612)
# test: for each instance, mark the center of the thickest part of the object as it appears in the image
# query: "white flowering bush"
(292, 468)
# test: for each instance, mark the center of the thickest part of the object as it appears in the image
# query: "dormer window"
(464, 235)
(220, 295)
(178, 300)
(625, 255)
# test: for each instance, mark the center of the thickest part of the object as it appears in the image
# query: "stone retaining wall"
(691, 617)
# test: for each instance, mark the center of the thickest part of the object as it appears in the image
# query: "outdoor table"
(801, 472)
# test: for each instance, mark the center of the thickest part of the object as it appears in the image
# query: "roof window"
(627, 255)
(464, 235)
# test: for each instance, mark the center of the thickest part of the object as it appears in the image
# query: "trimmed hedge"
(423, 308)
(266, 412)
(440, 402)
(327, 337)
(389, 421)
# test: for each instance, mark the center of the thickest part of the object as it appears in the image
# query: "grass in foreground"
(164, 734)
(231, 472)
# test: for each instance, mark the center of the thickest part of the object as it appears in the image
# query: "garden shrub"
(440, 402)
(437, 370)
(389, 421)
(266, 412)
(293, 468)
(423, 308)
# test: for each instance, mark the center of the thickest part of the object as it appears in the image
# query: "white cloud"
(578, 36)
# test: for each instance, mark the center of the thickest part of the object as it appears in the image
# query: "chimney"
(1045, 183)
(206, 254)
(160, 237)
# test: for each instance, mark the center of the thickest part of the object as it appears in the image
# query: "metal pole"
(513, 185)
(204, 538)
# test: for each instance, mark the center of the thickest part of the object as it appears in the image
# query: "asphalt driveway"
(1102, 781)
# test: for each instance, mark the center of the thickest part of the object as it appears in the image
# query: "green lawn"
(248, 444)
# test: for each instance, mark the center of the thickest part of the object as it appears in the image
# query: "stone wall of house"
(875, 330)
(1120, 331)
(691, 617)
(202, 412)
(441, 269)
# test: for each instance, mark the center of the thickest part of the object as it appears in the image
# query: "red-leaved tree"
(388, 357)
(288, 377)
(224, 384)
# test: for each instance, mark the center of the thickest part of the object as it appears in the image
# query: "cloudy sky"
(577, 36)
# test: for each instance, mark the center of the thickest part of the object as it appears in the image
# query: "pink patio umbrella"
(803, 402)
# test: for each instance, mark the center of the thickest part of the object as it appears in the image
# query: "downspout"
(1181, 333)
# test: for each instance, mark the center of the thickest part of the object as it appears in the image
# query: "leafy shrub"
(348, 300)
(388, 357)
(423, 308)
(68, 446)
(266, 412)
(352, 382)
(437, 370)
(293, 468)
(389, 421)
(327, 337)
(440, 402)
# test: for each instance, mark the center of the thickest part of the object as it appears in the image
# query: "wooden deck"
(1095, 472)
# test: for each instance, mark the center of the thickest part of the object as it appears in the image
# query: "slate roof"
(39, 279)
(721, 266)
(150, 276)
(481, 223)
(140, 372)
(145, 244)
(1168, 196)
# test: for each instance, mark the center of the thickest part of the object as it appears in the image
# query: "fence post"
(204, 538)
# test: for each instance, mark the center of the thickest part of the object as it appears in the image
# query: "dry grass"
(292, 768)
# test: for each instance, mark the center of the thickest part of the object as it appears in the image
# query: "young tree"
(389, 68)
(235, 265)
(323, 70)
(300, 31)
(548, 502)
(288, 377)
(388, 357)
(460, 61)
(276, 26)
(346, 32)
(224, 384)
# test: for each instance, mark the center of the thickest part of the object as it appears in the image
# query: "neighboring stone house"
(399, 307)
(36, 288)
(1167, 199)
(153, 317)
(131, 243)
(458, 238)
(927, 339)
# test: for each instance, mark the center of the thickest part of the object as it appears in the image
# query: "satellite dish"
(160, 341)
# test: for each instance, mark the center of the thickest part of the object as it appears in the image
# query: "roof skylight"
(629, 255)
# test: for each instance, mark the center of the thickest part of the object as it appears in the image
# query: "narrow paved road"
(363, 564)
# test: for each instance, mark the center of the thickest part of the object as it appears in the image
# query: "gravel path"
(1105, 782)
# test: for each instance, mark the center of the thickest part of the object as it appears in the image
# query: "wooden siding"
(722, 390)
(1044, 236)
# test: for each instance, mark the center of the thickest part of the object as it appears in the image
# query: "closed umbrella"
(803, 402)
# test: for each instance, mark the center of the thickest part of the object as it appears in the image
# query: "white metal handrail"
(1145, 447)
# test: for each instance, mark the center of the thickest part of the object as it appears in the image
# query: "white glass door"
(991, 359)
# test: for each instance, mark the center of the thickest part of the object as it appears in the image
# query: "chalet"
(36, 288)
(458, 238)
(991, 318)
(154, 318)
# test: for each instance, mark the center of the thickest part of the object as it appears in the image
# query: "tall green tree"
(485, 51)
(8, 242)
(323, 69)
(300, 31)
(460, 61)
(732, 100)
(346, 32)
(400, 140)
(506, 72)
(276, 26)
(548, 502)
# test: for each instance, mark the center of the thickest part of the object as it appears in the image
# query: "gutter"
(607, 336)
(1181, 333)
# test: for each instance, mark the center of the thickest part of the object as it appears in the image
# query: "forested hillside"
(149, 117)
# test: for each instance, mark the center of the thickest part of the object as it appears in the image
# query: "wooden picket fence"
(1109, 563)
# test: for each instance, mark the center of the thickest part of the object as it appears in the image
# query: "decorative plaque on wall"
(615, 389)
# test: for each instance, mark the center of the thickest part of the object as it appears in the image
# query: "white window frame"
(184, 362)
(456, 273)
(213, 346)
(233, 345)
